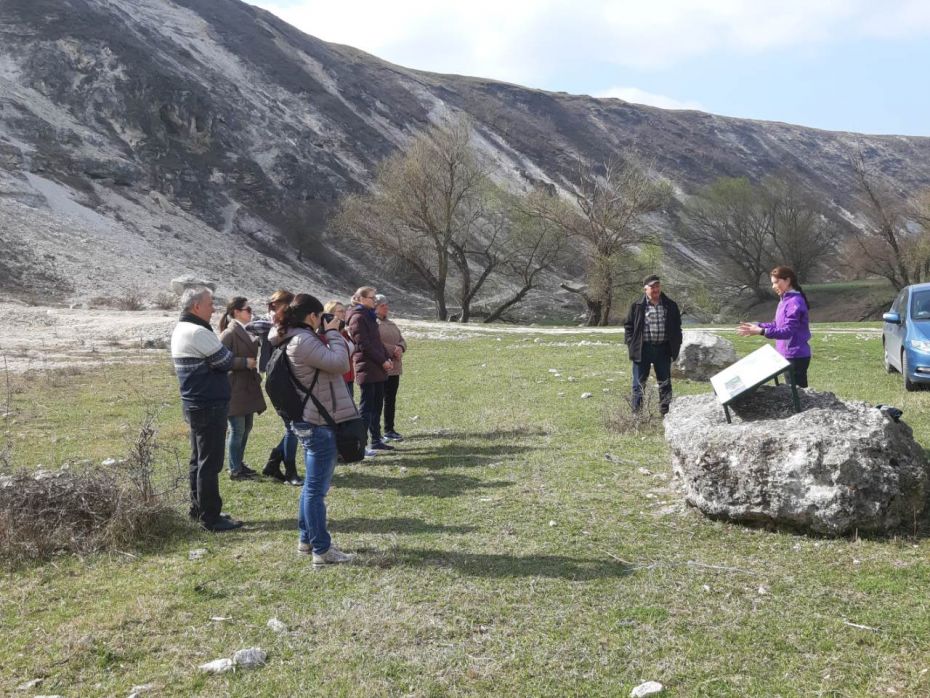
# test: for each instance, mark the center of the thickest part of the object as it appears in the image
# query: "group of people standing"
(653, 335)
(329, 349)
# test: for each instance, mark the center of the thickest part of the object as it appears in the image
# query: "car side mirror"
(893, 318)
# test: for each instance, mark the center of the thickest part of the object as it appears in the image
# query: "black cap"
(651, 279)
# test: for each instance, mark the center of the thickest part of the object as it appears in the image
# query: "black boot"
(273, 466)
(290, 474)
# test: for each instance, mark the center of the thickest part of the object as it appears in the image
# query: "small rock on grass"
(32, 683)
(251, 657)
(585, 396)
(218, 666)
(137, 691)
(650, 688)
(276, 626)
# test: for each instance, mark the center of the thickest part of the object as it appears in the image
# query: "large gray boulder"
(182, 283)
(833, 468)
(702, 355)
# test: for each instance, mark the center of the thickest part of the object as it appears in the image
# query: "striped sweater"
(202, 364)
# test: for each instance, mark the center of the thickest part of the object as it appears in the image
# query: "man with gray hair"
(202, 364)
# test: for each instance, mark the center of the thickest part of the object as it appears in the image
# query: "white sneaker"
(304, 549)
(333, 556)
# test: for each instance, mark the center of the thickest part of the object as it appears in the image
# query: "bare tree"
(424, 208)
(534, 246)
(803, 236)
(729, 221)
(883, 247)
(607, 219)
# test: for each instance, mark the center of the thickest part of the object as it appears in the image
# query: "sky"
(842, 65)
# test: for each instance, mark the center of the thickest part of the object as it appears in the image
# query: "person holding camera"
(319, 356)
(338, 310)
(246, 399)
(372, 362)
(266, 329)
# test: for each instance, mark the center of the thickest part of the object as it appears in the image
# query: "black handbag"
(351, 435)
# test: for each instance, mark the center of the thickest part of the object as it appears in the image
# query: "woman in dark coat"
(372, 362)
(246, 397)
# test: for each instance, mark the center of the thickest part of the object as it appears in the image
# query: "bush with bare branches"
(623, 419)
(108, 507)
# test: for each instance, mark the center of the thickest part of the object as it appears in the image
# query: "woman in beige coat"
(395, 344)
(319, 356)
(246, 397)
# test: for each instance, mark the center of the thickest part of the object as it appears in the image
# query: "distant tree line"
(439, 215)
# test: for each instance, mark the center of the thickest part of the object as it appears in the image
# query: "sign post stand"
(749, 373)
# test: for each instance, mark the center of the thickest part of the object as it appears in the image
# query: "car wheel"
(888, 367)
(909, 385)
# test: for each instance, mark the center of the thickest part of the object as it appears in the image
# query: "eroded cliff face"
(141, 139)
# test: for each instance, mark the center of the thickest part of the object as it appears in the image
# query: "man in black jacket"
(652, 332)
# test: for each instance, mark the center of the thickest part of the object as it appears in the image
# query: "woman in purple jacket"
(791, 329)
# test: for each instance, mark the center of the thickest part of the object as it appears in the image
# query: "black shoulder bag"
(351, 435)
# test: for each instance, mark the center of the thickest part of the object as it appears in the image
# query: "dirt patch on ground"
(43, 338)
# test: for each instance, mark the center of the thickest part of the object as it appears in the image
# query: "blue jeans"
(288, 444)
(658, 356)
(320, 458)
(236, 439)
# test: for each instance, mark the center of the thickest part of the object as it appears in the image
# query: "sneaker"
(370, 453)
(393, 436)
(333, 556)
(241, 474)
(221, 525)
(248, 470)
(304, 548)
(380, 446)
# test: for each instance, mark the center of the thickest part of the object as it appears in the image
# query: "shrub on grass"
(622, 419)
(107, 507)
(166, 301)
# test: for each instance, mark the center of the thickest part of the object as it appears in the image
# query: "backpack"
(286, 393)
(289, 398)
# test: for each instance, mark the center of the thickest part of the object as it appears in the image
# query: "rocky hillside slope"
(142, 139)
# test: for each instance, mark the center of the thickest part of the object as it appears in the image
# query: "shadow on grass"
(394, 525)
(497, 435)
(452, 456)
(417, 485)
(360, 525)
(500, 566)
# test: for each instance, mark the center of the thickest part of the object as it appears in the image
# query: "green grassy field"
(500, 553)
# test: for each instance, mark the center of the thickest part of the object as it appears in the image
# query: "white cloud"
(634, 94)
(529, 42)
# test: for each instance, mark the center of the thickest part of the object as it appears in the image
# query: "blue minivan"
(906, 335)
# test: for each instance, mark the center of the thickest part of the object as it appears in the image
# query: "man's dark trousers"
(390, 401)
(208, 445)
(659, 357)
(370, 406)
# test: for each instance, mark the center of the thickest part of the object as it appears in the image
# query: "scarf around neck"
(190, 317)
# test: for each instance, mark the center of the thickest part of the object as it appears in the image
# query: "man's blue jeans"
(237, 438)
(657, 356)
(320, 458)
